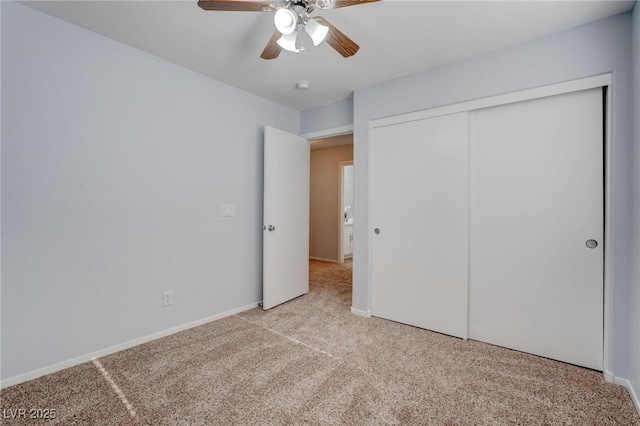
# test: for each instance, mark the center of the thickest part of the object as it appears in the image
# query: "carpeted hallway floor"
(310, 361)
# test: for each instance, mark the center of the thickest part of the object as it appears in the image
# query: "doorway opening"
(327, 224)
(346, 208)
(331, 212)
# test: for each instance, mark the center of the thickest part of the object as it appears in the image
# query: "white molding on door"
(607, 358)
(336, 131)
(603, 80)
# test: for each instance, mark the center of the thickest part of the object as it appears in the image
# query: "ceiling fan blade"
(239, 5)
(272, 49)
(338, 40)
(344, 3)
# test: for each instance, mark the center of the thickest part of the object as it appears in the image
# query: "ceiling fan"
(292, 18)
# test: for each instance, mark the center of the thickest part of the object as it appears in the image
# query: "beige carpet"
(311, 361)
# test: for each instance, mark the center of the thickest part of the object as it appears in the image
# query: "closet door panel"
(420, 193)
(536, 199)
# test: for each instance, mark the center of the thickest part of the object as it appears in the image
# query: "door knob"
(271, 228)
(591, 244)
(377, 231)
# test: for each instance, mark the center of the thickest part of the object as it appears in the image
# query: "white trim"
(632, 392)
(608, 376)
(634, 396)
(340, 213)
(336, 131)
(469, 184)
(607, 341)
(523, 95)
(360, 313)
(117, 348)
(341, 166)
(321, 259)
(370, 223)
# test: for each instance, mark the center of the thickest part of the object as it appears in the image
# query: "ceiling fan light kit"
(288, 42)
(291, 16)
(316, 31)
(291, 41)
(285, 21)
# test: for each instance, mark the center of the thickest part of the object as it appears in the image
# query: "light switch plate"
(228, 210)
(167, 298)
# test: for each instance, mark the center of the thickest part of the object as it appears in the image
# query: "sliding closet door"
(420, 223)
(536, 237)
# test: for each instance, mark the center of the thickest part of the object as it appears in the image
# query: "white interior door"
(420, 206)
(286, 217)
(536, 199)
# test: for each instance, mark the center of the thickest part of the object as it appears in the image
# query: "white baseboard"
(360, 313)
(635, 394)
(117, 348)
(608, 377)
(321, 259)
(632, 392)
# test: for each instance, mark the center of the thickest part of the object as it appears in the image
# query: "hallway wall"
(325, 201)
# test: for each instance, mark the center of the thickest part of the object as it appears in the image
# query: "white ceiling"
(396, 38)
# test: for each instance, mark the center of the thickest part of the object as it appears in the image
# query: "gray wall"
(114, 167)
(327, 117)
(634, 300)
(585, 51)
(324, 218)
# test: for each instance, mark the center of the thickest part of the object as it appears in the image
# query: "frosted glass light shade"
(316, 31)
(285, 21)
(288, 42)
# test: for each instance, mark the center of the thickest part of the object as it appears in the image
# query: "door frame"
(603, 80)
(321, 134)
(341, 166)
